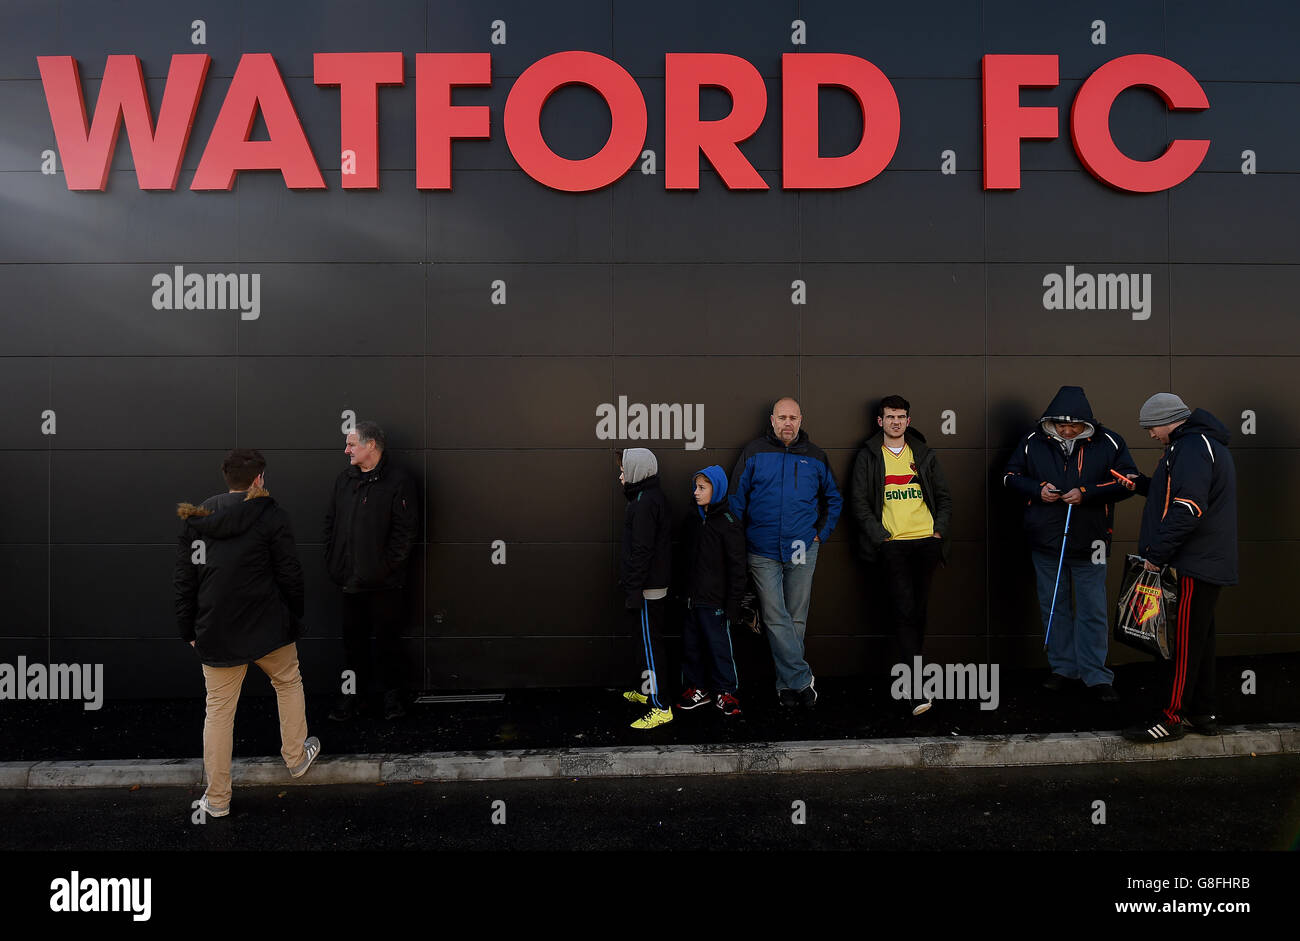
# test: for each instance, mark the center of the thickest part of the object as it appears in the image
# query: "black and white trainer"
(1162, 730)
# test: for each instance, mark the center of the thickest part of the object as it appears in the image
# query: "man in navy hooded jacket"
(1065, 466)
(1190, 523)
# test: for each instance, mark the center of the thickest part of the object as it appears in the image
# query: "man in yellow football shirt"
(904, 511)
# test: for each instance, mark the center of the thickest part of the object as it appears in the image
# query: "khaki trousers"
(223, 685)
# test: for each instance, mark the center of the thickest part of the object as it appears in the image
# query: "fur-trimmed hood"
(226, 514)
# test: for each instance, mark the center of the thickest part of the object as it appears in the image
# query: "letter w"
(87, 150)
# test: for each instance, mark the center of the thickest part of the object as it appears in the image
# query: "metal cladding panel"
(504, 332)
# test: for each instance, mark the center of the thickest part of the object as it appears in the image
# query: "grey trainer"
(312, 748)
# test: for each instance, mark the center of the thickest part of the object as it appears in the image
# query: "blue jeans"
(1078, 643)
(784, 590)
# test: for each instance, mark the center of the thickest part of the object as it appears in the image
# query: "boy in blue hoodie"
(644, 570)
(715, 587)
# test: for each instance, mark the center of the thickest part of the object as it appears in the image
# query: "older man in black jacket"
(370, 529)
(1190, 523)
(239, 599)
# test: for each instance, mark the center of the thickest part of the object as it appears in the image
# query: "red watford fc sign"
(86, 145)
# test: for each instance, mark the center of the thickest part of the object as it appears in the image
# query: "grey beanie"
(638, 464)
(1163, 408)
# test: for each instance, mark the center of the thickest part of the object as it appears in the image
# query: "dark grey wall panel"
(547, 309)
(499, 216)
(45, 222)
(1218, 42)
(1228, 386)
(1019, 321)
(25, 392)
(935, 115)
(1246, 117)
(696, 309)
(122, 497)
(154, 30)
(166, 668)
(1254, 219)
(1234, 309)
(893, 308)
(27, 125)
(570, 502)
(28, 28)
(359, 310)
(532, 31)
(944, 42)
(124, 582)
(105, 310)
(293, 34)
(278, 224)
(190, 399)
(514, 402)
(710, 224)
(1265, 512)
(895, 217)
(25, 588)
(1074, 216)
(758, 31)
(477, 598)
(297, 402)
(25, 509)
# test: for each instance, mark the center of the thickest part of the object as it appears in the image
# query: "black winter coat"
(647, 540)
(371, 526)
(1190, 520)
(868, 490)
(245, 599)
(1040, 459)
(715, 546)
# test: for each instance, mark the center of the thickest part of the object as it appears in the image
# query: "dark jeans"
(382, 612)
(647, 624)
(708, 663)
(1188, 676)
(909, 568)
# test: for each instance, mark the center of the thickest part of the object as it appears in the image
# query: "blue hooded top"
(718, 478)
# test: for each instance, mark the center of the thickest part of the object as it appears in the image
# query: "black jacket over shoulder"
(1041, 458)
(371, 526)
(244, 598)
(1190, 520)
(868, 491)
(647, 540)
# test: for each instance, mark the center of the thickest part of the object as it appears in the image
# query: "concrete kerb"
(660, 761)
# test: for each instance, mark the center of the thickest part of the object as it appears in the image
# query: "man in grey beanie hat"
(1189, 524)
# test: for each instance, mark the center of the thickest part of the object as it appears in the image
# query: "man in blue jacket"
(1190, 523)
(786, 496)
(1067, 461)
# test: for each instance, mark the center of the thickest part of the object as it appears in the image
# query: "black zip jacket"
(371, 526)
(1040, 459)
(647, 540)
(715, 546)
(868, 493)
(245, 598)
(1190, 520)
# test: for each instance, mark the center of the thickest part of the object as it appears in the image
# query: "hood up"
(638, 464)
(1070, 404)
(718, 478)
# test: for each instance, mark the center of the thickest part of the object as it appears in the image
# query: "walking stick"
(1069, 508)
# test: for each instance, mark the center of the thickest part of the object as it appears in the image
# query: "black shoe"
(787, 697)
(1056, 682)
(729, 704)
(393, 708)
(808, 695)
(345, 709)
(1203, 725)
(693, 698)
(1162, 730)
(1104, 692)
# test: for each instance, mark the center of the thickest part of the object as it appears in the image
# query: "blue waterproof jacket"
(784, 496)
